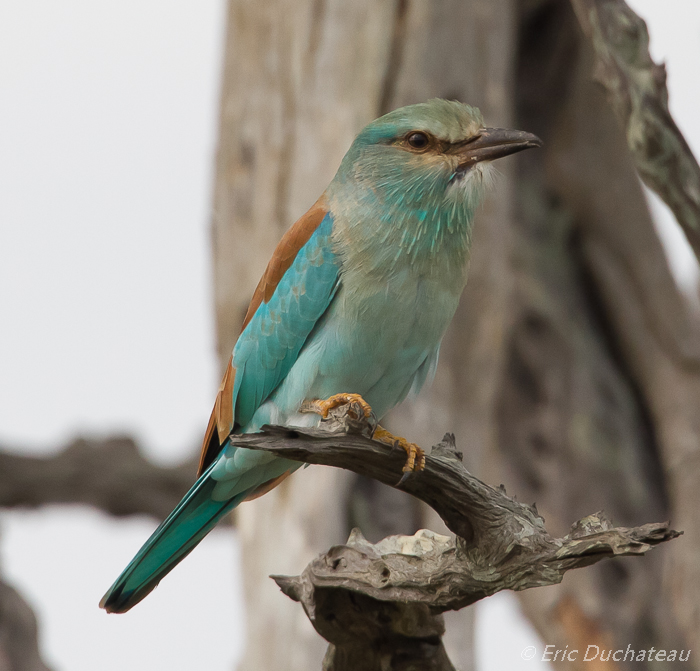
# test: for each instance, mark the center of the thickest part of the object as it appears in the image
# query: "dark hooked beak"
(492, 143)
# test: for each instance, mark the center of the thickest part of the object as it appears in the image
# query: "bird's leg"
(322, 408)
(415, 460)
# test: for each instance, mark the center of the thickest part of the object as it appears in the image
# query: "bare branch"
(19, 646)
(110, 474)
(378, 602)
(637, 92)
(445, 575)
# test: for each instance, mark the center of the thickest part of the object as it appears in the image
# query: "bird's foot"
(358, 405)
(415, 461)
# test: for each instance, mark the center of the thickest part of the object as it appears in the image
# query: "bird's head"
(423, 155)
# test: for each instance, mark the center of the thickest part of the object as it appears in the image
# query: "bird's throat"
(429, 239)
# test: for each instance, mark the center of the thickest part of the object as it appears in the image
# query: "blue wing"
(270, 343)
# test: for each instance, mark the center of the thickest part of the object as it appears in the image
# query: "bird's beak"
(492, 143)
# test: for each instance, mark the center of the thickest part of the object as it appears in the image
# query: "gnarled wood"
(636, 88)
(376, 603)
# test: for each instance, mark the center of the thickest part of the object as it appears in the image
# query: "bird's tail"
(193, 518)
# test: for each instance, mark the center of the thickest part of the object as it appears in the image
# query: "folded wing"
(295, 290)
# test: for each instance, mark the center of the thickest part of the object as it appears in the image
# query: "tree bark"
(636, 88)
(661, 340)
(606, 346)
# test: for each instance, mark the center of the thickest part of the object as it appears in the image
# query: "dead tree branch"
(19, 647)
(636, 88)
(380, 604)
(111, 474)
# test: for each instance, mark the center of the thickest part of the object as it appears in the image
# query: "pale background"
(108, 121)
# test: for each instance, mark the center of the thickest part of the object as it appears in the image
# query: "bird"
(350, 309)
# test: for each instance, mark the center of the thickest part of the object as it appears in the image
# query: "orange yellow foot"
(415, 461)
(324, 407)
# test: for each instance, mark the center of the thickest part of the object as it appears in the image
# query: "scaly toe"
(322, 407)
(415, 459)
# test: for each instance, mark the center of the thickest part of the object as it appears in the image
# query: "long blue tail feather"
(193, 518)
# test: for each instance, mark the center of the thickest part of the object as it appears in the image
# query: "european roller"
(352, 307)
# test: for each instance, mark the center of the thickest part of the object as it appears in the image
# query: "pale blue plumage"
(377, 272)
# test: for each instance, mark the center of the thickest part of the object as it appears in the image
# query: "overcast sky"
(108, 122)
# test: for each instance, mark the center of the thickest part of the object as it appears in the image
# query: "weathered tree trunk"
(599, 399)
(301, 79)
(572, 350)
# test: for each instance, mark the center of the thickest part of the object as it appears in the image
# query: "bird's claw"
(321, 407)
(404, 478)
(415, 459)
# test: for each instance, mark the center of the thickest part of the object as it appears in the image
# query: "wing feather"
(295, 290)
(221, 420)
(285, 254)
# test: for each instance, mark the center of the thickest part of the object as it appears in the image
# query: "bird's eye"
(418, 140)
